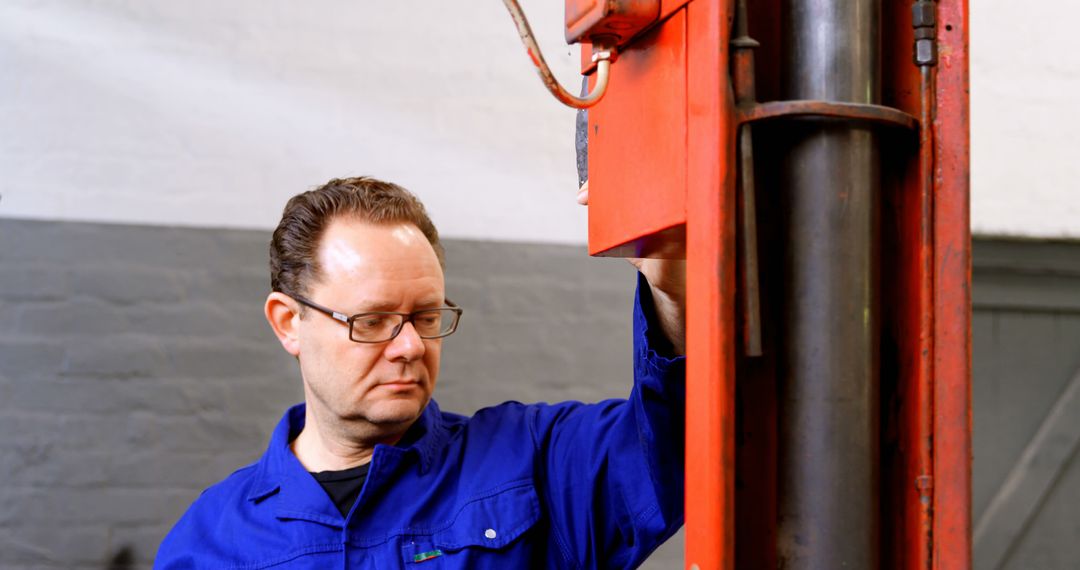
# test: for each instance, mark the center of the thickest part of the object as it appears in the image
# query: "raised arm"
(610, 474)
(667, 280)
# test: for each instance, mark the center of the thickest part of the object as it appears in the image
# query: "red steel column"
(952, 294)
(710, 229)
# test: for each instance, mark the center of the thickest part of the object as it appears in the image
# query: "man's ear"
(283, 314)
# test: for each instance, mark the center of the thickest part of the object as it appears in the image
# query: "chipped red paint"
(952, 294)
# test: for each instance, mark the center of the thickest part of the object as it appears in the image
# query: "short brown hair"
(295, 244)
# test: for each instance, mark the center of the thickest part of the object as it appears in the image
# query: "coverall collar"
(279, 471)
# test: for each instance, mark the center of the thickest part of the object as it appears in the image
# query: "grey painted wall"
(1026, 335)
(136, 369)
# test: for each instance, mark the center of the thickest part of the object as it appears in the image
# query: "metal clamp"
(879, 114)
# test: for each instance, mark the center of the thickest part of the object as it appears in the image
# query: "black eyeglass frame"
(406, 318)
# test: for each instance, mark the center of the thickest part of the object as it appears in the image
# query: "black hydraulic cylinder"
(828, 480)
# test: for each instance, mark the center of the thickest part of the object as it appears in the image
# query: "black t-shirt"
(343, 486)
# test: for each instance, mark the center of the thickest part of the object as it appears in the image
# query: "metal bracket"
(878, 114)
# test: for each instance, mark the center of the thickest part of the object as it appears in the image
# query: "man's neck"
(322, 447)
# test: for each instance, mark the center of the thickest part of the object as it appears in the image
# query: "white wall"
(213, 113)
(1025, 126)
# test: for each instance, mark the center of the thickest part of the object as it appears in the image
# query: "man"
(369, 473)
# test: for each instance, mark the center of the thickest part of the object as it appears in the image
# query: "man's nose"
(407, 345)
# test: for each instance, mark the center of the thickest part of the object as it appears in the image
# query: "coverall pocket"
(484, 534)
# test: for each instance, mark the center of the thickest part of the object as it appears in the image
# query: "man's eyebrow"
(391, 306)
(377, 306)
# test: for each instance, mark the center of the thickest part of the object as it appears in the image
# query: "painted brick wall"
(1026, 342)
(136, 369)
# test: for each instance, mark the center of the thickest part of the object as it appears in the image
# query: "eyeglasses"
(383, 326)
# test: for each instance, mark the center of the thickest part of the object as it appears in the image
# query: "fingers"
(583, 194)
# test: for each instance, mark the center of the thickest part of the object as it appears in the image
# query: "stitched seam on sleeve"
(565, 550)
(555, 532)
(647, 513)
(532, 428)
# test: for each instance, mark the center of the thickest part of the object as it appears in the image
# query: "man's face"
(367, 267)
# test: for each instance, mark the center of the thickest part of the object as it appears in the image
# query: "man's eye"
(372, 322)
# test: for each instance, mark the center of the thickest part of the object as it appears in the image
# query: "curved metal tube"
(602, 58)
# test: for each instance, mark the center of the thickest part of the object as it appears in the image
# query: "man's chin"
(395, 413)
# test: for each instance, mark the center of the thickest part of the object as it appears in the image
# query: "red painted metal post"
(710, 229)
(952, 294)
(671, 108)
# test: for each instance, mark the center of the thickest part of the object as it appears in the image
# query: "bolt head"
(925, 52)
(923, 14)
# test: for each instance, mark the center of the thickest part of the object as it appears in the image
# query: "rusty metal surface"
(828, 481)
(749, 290)
(742, 50)
(870, 113)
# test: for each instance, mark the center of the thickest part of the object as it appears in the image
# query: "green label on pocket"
(426, 555)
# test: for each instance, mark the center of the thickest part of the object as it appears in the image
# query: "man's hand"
(667, 279)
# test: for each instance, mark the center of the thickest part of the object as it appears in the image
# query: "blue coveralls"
(567, 485)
